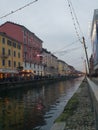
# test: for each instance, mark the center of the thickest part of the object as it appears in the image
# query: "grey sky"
(51, 21)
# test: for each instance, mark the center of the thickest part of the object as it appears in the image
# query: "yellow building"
(10, 55)
(61, 67)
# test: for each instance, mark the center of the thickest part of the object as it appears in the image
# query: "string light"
(75, 20)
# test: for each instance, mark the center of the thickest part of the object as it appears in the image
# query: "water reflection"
(34, 108)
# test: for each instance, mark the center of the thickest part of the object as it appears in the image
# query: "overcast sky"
(51, 21)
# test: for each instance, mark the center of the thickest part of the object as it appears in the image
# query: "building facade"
(10, 56)
(31, 58)
(94, 39)
(32, 45)
(50, 63)
(54, 65)
(61, 68)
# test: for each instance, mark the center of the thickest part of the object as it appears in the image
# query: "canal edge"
(60, 122)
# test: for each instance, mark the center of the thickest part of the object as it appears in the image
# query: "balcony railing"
(4, 56)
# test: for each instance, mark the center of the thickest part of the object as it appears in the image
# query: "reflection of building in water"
(11, 114)
(16, 115)
(24, 110)
(34, 109)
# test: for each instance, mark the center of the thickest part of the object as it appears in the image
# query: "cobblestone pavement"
(83, 117)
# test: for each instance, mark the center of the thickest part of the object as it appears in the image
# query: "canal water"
(35, 108)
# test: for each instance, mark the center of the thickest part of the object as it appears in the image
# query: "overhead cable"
(12, 12)
(76, 23)
(67, 51)
(68, 45)
(75, 20)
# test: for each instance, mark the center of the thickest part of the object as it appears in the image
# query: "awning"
(5, 70)
(26, 72)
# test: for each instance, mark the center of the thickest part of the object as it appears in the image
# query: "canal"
(35, 108)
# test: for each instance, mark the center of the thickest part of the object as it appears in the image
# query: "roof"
(5, 35)
(21, 27)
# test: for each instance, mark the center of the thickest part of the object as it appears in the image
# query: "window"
(3, 62)
(34, 65)
(9, 63)
(3, 51)
(24, 33)
(30, 64)
(14, 44)
(14, 53)
(9, 42)
(14, 63)
(9, 52)
(18, 63)
(3, 40)
(18, 54)
(25, 64)
(18, 46)
(25, 41)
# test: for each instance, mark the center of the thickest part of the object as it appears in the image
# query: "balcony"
(4, 56)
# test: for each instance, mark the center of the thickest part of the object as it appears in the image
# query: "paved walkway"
(58, 126)
(83, 117)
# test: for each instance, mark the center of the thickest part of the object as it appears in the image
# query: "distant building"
(50, 63)
(34, 60)
(32, 45)
(54, 65)
(94, 39)
(67, 69)
(61, 68)
(72, 70)
(10, 56)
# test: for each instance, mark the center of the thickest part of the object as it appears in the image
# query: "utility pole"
(85, 67)
(85, 48)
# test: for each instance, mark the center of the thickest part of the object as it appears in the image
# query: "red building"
(32, 45)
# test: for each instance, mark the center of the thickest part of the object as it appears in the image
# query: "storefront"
(5, 73)
(26, 73)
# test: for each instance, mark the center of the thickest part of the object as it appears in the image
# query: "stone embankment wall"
(6, 85)
(94, 94)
